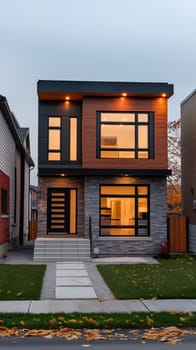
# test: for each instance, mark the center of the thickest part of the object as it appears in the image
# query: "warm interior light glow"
(67, 98)
(62, 175)
(163, 95)
(73, 139)
(124, 94)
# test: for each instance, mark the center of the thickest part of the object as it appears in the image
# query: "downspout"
(21, 229)
(29, 198)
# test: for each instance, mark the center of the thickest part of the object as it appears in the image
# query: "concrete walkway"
(78, 287)
(73, 282)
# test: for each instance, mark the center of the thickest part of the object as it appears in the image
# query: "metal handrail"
(90, 236)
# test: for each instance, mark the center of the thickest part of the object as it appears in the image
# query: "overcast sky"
(116, 40)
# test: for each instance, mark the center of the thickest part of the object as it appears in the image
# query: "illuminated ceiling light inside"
(163, 95)
(62, 175)
(124, 94)
(67, 98)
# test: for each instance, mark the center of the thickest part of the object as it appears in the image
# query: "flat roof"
(188, 97)
(59, 89)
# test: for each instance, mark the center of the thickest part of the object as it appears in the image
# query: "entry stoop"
(58, 249)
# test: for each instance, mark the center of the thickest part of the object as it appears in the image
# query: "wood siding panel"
(156, 105)
(178, 234)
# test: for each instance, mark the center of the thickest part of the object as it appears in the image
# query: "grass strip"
(21, 282)
(98, 320)
(170, 279)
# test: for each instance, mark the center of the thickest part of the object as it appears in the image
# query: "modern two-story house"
(103, 156)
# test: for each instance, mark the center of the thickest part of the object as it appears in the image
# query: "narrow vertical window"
(73, 139)
(15, 193)
(4, 202)
(54, 138)
(73, 203)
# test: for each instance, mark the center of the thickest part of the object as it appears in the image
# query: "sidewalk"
(102, 301)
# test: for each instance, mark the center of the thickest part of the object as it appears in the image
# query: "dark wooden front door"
(58, 210)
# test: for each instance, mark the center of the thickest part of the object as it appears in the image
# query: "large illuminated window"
(63, 134)
(125, 135)
(124, 210)
(54, 138)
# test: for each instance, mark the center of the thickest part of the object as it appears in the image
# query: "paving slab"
(75, 293)
(193, 301)
(15, 306)
(69, 306)
(69, 266)
(170, 305)
(68, 273)
(73, 281)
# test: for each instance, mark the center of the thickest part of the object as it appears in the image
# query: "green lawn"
(172, 278)
(21, 282)
(98, 320)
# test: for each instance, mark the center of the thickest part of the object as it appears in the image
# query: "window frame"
(136, 123)
(136, 196)
(65, 139)
(54, 128)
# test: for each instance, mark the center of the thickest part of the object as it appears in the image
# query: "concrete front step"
(61, 249)
(59, 259)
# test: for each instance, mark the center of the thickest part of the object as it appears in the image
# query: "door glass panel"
(72, 211)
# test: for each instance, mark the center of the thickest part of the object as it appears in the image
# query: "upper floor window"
(125, 135)
(54, 138)
(63, 138)
(73, 139)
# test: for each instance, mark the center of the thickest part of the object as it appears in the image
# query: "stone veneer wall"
(192, 238)
(61, 182)
(127, 245)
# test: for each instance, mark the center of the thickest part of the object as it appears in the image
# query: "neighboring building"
(102, 154)
(188, 147)
(15, 164)
(33, 203)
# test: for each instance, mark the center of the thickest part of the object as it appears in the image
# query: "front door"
(61, 211)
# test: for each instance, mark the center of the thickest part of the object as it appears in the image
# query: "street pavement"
(78, 287)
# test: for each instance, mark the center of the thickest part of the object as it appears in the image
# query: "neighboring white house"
(15, 165)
